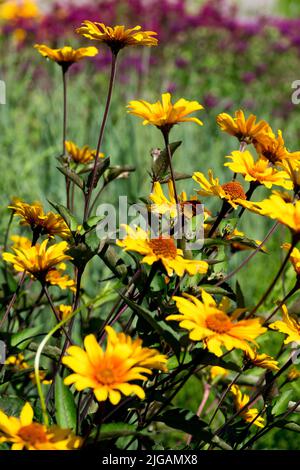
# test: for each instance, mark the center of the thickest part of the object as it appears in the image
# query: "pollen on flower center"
(33, 433)
(218, 322)
(234, 190)
(164, 247)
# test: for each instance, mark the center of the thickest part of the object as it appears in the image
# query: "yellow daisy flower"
(24, 433)
(164, 114)
(277, 208)
(217, 371)
(81, 155)
(232, 192)
(240, 400)
(260, 171)
(163, 205)
(19, 364)
(20, 242)
(40, 222)
(262, 360)
(246, 130)
(38, 260)
(288, 325)
(292, 168)
(66, 56)
(161, 249)
(64, 311)
(294, 374)
(243, 244)
(210, 323)
(110, 373)
(117, 37)
(56, 277)
(274, 150)
(294, 257)
(11, 10)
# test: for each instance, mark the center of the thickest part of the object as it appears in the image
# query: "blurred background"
(225, 54)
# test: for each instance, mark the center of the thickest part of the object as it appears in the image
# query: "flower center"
(234, 190)
(33, 433)
(106, 376)
(163, 247)
(218, 322)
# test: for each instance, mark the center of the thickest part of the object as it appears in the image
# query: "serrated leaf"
(65, 408)
(68, 217)
(92, 240)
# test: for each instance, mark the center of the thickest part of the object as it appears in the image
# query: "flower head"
(208, 322)
(66, 56)
(294, 374)
(232, 192)
(248, 414)
(274, 150)
(163, 205)
(260, 171)
(11, 10)
(288, 325)
(24, 433)
(20, 242)
(117, 37)
(294, 257)
(40, 222)
(38, 260)
(64, 311)
(161, 249)
(277, 208)
(164, 114)
(217, 371)
(81, 155)
(245, 130)
(114, 371)
(262, 360)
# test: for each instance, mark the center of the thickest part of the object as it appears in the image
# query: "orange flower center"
(163, 247)
(234, 190)
(218, 322)
(33, 433)
(106, 376)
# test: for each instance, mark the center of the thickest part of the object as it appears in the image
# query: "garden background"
(227, 55)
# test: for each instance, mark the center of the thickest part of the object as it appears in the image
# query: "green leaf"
(163, 331)
(93, 221)
(72, 175)
(115, 430)
(68, 217)
(24, 337)
(117, 172)
(161, 161)
(102, 165)
(186, 421)
(204, 357)
(92, 240)
(65, 408)
(282, 402)
(240, 300)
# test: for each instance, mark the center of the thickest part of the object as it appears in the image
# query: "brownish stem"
(101, 134)
(167, 144)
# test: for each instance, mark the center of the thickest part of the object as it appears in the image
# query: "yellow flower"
(66, 56)
(250, 414)
(210, 323)
(277, 208)
(20, 242)
(292, 168)
(293, 374)
(64, 311)
(217, 371)
(288, 325)
(117, 37)
(294, 257)
(24, 433)
(81, 155)
(110, 373)
(262, 360)
(260, 171)
(274, 150)
(232, 192)
(246, 130)
(40, 222)
(163, 205)
(55, 277)
(38, 260)
(161, 249)
(18, 362)
(164, 114)
(19, 9)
